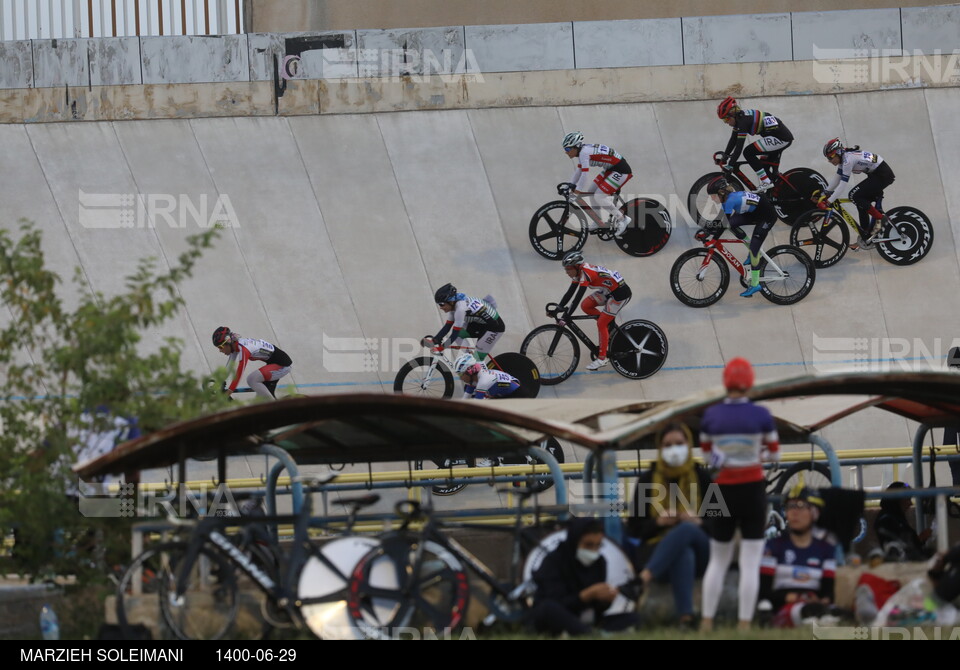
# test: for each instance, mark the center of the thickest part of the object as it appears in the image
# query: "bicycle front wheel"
(697, 281)
(824, 244)
(787, 277)
(141, 586)
(208, 606)
(400, 586)
(555, 352)
(908, 239)
(638, 349)
(557, 228)
(420, 377)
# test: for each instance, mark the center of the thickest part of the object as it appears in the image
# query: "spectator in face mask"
(572, 594)
(666, 519)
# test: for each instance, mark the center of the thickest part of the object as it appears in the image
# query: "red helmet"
(727, 107)
(738, 375)
(833, 147)
(221, 335)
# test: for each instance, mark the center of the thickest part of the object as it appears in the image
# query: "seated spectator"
(797, 571)
(673, 546)
(572, 594)
(898, 539)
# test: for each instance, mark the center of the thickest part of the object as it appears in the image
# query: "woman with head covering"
(897, 537)
(667, 519)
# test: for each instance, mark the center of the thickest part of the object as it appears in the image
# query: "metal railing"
(62, 19)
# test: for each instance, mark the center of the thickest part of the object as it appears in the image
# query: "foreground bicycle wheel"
(208, 607)
(824, 245)
(392, 592)
(915, 236)
(419, 377)
(806, 473)
(649, 229)
(557, 228)
(638, 349)
(443, 489)
(696, 284)
(787, 277)
(555, 352)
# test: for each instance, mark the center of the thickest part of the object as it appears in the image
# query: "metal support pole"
(918, 438)
(290, 465)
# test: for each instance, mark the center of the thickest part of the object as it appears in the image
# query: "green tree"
(54, 364)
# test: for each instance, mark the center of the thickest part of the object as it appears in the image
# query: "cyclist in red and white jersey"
(850, 161)
(245, 349)
(612, 293)
(615, 172)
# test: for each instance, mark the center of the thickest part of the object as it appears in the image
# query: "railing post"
(836, 477)
(918, 438)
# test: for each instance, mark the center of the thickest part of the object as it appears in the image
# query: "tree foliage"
(55, 363)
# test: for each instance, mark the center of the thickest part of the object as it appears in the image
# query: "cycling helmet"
(727, 107)
(445, 293)
(221, 335)
(834, 146)
(738, 375)
(800, 492)
(464, 363)
(717, 185)
(572, 258)
(572, 140)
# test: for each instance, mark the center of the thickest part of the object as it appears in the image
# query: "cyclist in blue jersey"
(467, 317)
(772, 131)
(736, 437)
(743, 208)
(484, 384)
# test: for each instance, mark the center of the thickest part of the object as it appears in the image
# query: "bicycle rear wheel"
(701, 206)
(523, 369)
(140, 588)
(915, 236)
(555, 352)
(419, 377)
(649, 228)
(638, 349)
(792, 195)
(390, 593)
(697, 282)
(805, 473)
(825, 245)
(792, 281)
(557, 228)
(208, 607)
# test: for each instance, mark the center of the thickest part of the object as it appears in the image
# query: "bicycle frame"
(580, 203)
(570, 324)
(716, 246)
(848, 218)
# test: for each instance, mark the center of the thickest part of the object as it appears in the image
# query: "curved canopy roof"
(359, 428)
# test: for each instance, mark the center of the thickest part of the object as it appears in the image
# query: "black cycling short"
(478, 328)
(279, 357)
(744, 506)
(870, 189)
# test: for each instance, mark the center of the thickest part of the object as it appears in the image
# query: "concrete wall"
(520, 47)
(293, 15)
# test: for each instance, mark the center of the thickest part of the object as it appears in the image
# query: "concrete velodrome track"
(347, 224)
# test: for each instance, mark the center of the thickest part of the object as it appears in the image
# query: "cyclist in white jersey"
(850, 161)
(483, 384)
(242, 350)
(615, 172)
(466, 317)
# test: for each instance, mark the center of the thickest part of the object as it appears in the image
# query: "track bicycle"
(905, 237)
(790, 195)
(637, 349)
(536, 483)
(432, 376)
(699, 277)
(198, 590)
(561, 226)
(416, 579)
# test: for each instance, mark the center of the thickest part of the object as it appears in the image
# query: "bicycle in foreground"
(699, 277)
(196, 580)
(564, 225)
(905, 237)
(637, 350)
(790, 195)
(432, 376)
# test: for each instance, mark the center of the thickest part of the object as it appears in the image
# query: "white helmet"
(463, 363)
(572, 140)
